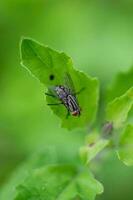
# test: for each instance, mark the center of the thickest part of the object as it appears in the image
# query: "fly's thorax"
(62, 92)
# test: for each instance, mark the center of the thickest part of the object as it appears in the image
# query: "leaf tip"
(23, 43)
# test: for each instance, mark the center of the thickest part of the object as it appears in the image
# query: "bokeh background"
(98, 35)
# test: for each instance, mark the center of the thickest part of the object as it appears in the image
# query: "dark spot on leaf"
(51, 77)
(91, 144)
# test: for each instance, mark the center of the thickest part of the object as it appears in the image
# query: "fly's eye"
(51, 77)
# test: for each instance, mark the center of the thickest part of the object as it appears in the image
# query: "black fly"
(67, 96)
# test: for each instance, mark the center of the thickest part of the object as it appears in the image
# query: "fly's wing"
(69, 83)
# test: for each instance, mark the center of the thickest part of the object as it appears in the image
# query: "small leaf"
(117, 110)
(125, 152)
(122, 83)
(61, 182)
(50, 67)
(94, 146)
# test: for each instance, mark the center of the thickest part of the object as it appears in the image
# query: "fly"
(68, 99)
(67, 96)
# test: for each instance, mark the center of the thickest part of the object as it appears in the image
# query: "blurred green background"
(98, 35)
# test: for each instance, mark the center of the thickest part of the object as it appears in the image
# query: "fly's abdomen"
(73, 105)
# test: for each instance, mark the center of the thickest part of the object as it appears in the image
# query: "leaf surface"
(117, 110)
(125, 152)
(59, 182)
(45, 63)
(94, 145)
(121, 84)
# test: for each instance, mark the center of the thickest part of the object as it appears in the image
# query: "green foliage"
(117, 110)
(43, 62)
(122, 83)
(44, 176)
(39, 159)
(23, 112)
(49, 176)
(125, 152)
(60, 182)
(94, 145)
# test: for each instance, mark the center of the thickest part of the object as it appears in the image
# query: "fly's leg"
(54, 104)
(51, 95)
(81, 90)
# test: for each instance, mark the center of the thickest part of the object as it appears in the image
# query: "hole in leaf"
(51, 77)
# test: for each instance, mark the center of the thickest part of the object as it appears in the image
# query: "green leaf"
(125, 152)
(117, 110)
(94, 145)
(41, 158)
(61, 182)
(43, 62)
(122, 83)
